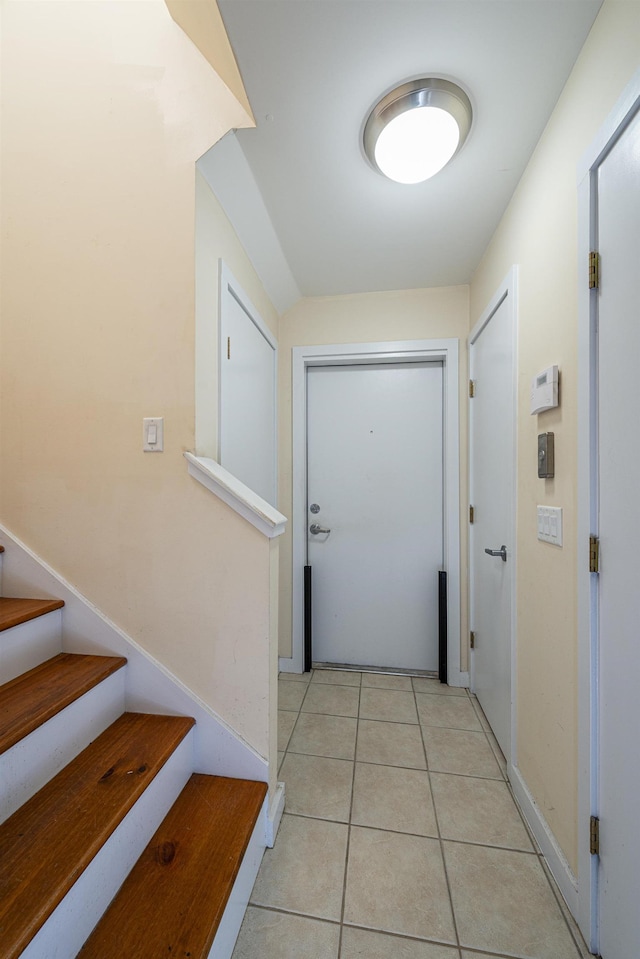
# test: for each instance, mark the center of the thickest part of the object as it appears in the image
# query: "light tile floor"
(401, 838)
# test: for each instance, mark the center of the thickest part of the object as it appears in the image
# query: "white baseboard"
(457, 678)
(556, 861)
(289, 664)
(274, 814)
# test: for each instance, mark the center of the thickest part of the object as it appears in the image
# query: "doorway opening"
(444, 352)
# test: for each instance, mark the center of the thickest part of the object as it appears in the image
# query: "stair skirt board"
(29, 644)
(227, 934)
(37, 758)
(64, 933)
(274, 813)
(219, 750)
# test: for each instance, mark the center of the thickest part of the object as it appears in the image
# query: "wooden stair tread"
(48, 842)
(34, 697)
(16, 611)
(172, 901)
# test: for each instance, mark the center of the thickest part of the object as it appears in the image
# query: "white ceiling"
(314, 68)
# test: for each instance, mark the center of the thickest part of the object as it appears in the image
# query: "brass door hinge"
(228, 347)
(472, 388)
(594, 554)
(594, 270)
(594, 836)
(471, 514)
(472, 640)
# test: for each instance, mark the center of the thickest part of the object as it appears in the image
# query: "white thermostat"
(544, 390)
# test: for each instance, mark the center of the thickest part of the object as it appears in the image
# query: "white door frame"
(587, 519)
(507, 291)
(349, 354)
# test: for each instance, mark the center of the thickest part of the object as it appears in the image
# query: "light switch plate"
(148, 425)
(550, 524)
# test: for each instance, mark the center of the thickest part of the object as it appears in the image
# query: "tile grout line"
(370, 762)
(439, 837)
(281, 911)
(299, 710)
(529, 831)
(293, 728)
(346, 858)
(480, 714)
(562, 906)
(415, 835)
(474, 700)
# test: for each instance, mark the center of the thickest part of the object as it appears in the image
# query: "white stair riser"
(36, 759)
(29, 644)
(225, 938)
(69, 926)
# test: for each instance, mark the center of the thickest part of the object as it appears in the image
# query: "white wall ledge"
(235, 494)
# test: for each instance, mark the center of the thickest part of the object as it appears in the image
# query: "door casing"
(444, 350)
(584, 903)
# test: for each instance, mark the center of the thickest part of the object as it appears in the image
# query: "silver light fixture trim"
(429, 98)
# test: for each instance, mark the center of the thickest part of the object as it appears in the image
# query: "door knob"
(314, 529)
(502, 553)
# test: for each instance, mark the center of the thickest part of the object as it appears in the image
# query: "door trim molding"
(587, 513)
(445, 351)
(507, 290)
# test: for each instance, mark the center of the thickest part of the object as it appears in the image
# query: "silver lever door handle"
(314, 529)
(502, 552)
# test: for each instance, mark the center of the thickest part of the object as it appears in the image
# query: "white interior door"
(619, 521)
(375, 474)
(247, 436)
(492, 483)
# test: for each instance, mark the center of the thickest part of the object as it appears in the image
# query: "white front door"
(492, 465)
(619, 521)
(375, 479)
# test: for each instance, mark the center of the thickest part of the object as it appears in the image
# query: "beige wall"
(539, 234)
(366, 318)
(106, 107)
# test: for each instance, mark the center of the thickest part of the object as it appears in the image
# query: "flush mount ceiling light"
(415, 130)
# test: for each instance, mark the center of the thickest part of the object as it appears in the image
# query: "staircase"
(111, 844)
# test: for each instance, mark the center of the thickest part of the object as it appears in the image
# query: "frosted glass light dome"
(415, 130)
